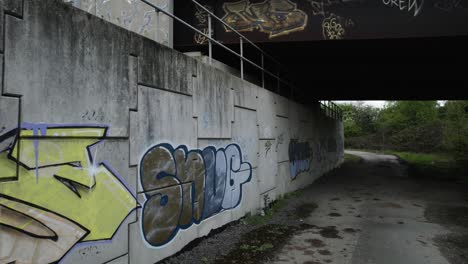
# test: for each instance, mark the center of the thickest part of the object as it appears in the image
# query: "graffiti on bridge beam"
(300, 157)
(54, 194)
(183, 187)
(414, 6)
(274, 17)
(448, 5)
(333, 26)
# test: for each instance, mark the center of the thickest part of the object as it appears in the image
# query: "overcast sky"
(378, 104)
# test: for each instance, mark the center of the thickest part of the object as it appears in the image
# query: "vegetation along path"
(370, 210)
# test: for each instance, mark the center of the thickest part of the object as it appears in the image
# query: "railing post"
(210, 45)
(242, 57)
(263, 71)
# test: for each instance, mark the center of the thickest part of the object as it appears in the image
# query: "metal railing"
(333, 110)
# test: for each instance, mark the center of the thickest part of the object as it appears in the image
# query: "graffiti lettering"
(183, 187)
(274, 17)
(448, 5)
(332, 28)
(414, 6)
(60, 196)
(300, 157)
(202, 24)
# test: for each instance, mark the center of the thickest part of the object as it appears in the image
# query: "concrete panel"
(9, 113)
(120, 260)
(284, 178)
(133, 81)
(244, 131)
(116, 154)
(281, 106)
(282, 139)
(294, 120)
(266, 114)
(217, 143)
(103, 251)
(164, 68)
(162, 116)
(70, 69)
(267, 165)
(306, 130)
(245, 93)
(14, 8)
(250, 194)
(213, 103)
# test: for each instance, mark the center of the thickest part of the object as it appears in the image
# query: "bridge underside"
(426, 68)
(344, 49)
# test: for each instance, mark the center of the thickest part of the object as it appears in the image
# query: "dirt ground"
(369, 211)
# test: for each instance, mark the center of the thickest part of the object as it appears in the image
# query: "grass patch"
(352, 158)
(270, 211)
(440, 160)
(431, 165)
(440, 166)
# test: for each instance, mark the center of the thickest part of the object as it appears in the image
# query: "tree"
(398, 115)
(456, 128)
(358, 119)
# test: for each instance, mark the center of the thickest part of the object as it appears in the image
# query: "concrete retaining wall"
(116, 149)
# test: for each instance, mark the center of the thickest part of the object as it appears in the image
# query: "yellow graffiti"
(275, 17)
(59, 190)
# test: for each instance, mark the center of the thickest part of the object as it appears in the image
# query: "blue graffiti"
(184, 187)
(300, 156)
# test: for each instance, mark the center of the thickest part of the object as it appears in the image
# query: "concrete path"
(374, 213)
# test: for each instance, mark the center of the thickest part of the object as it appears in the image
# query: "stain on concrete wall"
(185, 149)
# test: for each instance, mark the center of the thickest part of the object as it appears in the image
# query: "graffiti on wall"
(300, 156)
(137, 16)
(54, 195)
(274, 17)
(201, 17)
(183, 187)
(410, 6)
